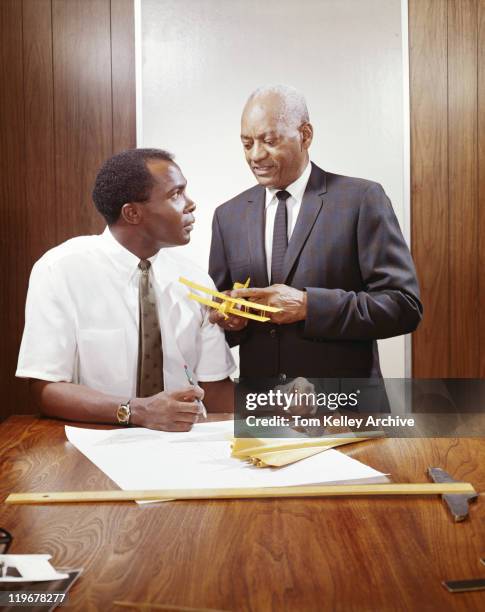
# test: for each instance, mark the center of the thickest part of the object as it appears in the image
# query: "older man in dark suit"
(326, 249)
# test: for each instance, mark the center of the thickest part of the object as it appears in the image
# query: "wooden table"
(259, 555)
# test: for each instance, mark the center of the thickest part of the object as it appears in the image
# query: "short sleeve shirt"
(81, 320)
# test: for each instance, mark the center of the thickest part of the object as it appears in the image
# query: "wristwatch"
(123, 413)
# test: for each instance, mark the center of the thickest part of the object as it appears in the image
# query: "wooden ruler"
(432, 488)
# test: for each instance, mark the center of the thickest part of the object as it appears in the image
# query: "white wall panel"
(200, 59)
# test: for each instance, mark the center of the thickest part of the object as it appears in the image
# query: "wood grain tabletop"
(256, 555)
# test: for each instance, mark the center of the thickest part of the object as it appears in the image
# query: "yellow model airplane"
(227, 305)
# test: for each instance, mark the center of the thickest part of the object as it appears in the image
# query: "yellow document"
(269, 452)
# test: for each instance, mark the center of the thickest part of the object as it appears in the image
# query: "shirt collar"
(296, 189)
(123, 259)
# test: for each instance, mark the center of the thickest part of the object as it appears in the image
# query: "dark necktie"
(280, 238)
(150, 359)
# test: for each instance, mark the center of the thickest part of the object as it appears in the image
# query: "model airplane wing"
(227, 305)
(226, 298)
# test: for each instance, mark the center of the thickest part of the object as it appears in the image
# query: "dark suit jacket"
(348, 253)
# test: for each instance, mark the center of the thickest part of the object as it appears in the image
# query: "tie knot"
(282, 195)
(144, 265)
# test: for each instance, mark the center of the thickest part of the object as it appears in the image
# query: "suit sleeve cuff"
(321, 305)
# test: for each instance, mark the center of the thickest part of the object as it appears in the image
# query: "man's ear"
(306, 131)
(131, 213)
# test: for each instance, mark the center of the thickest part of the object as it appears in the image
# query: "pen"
(191, 382)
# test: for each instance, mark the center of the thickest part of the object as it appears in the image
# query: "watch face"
(123, 413)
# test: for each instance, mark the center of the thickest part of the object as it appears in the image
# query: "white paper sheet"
(32, 568)
(146, 459)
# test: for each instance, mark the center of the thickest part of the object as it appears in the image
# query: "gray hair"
(293, 111)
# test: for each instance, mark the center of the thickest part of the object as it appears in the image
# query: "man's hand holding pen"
(190, 378)
(175, 411)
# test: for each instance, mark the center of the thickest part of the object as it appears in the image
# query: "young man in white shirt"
(83, 348)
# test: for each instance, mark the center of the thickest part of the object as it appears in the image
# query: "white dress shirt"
(81, 322)
(293, 205)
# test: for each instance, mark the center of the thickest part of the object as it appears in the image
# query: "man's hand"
(176, 411)
(232, 322)
(297, 387)
(293, 302)
(303, 405)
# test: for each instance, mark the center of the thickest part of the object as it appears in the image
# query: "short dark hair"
(125, 178)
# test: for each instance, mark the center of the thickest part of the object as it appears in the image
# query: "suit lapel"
(259, 275)
(310, 207)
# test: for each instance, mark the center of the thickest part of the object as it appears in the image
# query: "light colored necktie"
(150, 357)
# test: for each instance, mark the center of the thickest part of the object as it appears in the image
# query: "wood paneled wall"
(447, 85)
(67, 69)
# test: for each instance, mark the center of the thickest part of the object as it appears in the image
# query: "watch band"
(123, 413)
